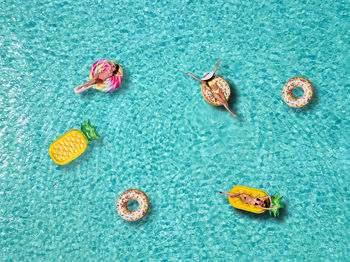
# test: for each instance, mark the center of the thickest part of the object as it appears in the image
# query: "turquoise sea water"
(160, 136)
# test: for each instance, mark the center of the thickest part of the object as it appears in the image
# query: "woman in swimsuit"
(247, 199)
(210, 81)
(110, 70)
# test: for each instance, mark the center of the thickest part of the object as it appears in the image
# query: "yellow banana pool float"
(72, 144)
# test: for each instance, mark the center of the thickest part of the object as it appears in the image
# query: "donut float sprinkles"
(122, 205)
(111, 83)
(208, 96)
(287, 92)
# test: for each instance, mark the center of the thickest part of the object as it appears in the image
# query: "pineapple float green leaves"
(276, 202)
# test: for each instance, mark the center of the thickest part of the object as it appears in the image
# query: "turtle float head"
(276, 202)
(89, 131)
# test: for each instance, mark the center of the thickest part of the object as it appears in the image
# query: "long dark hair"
(116, 68)
(268, 203)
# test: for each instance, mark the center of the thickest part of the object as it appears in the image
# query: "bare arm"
(216, 67)
(267, 208)
(265, 197)
(190, 74)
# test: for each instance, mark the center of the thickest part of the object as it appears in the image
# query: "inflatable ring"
(208, 96)
(122, 205)
(287, 92)
(238, 203)
(111, 83)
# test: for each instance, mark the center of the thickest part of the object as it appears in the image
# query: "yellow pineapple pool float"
(257, 193)
(237, 202)
(72, 144)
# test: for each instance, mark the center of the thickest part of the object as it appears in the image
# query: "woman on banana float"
(210, 81)
(258, 202)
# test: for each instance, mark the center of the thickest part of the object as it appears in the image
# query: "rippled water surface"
(160, 136)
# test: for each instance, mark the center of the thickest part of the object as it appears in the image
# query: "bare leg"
(221, 98)
(229, 110)
(90, 82)
(230, 194)
(85, 86)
